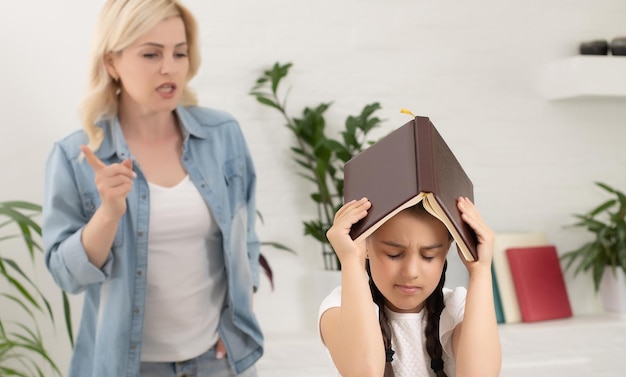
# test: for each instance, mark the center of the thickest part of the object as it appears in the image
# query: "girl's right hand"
(339, 233)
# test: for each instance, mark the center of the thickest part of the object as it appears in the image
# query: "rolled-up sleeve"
(62, 224)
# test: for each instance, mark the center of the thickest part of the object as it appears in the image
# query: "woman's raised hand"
(113, 182)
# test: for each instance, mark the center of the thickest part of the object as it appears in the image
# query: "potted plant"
(319, 156)
(605, 254)
(22, 352)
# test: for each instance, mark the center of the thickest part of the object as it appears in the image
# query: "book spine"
(496, 296)
(424, 154)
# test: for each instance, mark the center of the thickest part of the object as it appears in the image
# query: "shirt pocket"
(91, 202)
(235, 182)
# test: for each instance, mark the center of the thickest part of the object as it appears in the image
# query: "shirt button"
(133, 346)
(143, 197)
(136, 310)
(140, 234)
(139, 273)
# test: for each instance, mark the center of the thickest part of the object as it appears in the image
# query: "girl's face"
(153, 70)
(406, 256)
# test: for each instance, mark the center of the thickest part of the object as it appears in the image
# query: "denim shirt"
(216, 157)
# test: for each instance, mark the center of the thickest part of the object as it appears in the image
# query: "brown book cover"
(411, 164)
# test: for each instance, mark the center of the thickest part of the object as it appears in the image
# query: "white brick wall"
(471, 66)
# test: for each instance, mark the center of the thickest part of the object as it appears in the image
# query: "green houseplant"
(319, 156)
(607, 250)
(22, 352)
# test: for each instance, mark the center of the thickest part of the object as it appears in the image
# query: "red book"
(539, 283)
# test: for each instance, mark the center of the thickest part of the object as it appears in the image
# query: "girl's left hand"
(484, 234)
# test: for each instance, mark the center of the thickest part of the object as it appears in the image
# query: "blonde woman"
(149, 209)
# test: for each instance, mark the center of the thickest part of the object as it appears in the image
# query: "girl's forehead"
(408, 224)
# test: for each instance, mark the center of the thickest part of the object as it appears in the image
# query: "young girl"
(416, 327)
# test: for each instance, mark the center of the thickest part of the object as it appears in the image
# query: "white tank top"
(186, 281)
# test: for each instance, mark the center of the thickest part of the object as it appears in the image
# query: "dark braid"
(434, 307)
(379, 300)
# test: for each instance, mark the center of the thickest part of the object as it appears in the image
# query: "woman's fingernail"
(219, 355)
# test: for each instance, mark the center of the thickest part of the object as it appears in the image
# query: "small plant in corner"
(608, 248)
(22, 352)
(319, 156)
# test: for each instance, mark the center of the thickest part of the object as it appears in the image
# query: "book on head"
(413, 163)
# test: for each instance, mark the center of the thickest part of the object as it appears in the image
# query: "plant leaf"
(267, 269)
(68, 318)
(278, 246)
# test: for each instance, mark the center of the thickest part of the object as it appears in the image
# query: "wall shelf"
(584, 76)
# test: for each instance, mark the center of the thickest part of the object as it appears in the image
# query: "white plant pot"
(613, 290)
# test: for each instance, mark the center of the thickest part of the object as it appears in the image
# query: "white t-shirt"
(407, 329)
(186, 281)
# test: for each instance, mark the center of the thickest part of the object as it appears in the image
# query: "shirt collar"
(114, 142)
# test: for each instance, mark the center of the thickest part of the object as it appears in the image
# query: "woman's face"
(153, 70)
(406, 256)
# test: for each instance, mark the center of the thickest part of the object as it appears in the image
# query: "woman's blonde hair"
(120, 23)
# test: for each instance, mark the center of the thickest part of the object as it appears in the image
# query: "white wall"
(471, 66)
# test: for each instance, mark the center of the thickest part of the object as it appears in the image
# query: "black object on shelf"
(596, 47)
(618, 46)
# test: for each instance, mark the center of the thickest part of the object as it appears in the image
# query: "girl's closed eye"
(394, 255)
(427, 258)
(150, 55)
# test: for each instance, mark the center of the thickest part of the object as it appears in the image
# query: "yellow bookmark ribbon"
(407, 111)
